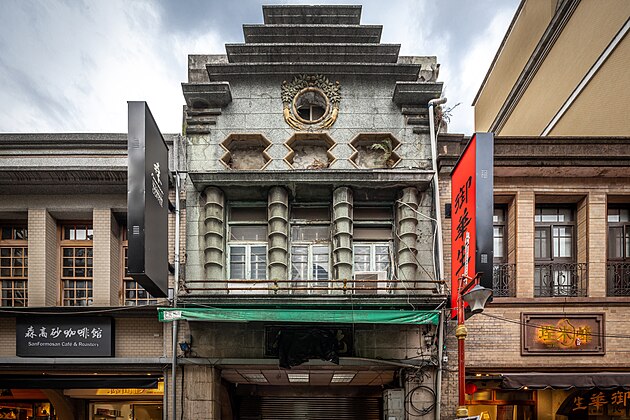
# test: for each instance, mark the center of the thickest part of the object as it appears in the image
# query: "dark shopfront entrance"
(279, 394)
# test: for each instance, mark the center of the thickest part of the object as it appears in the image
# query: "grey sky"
(71, 65)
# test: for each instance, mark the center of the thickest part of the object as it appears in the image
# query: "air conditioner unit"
(367, 282)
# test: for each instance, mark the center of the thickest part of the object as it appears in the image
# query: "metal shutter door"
(310, 408)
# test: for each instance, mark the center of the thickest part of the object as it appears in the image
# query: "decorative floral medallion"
(310, 102)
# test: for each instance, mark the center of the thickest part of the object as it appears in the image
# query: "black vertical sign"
(147, 201)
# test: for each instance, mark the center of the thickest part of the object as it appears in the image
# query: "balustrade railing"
(560, 279)
(504, 280)
(363, 287)
(618, 278)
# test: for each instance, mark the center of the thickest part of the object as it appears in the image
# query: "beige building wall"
(603, 107)
(43, 259)
(587, 34)
(518, 45)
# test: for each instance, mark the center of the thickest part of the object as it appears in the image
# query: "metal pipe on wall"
(176, 282)
(436, 186)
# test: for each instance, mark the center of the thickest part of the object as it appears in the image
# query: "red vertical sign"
(472, 205)
(463, 215)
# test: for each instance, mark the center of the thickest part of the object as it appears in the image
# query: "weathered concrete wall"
(256, 107)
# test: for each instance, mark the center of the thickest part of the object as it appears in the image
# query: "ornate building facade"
(310, 225)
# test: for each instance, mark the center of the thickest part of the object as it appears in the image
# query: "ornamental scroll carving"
(310, 102)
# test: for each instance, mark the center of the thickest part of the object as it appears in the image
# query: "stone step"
(302, 14)
(333, 34)
(312, 53)
(399, 72)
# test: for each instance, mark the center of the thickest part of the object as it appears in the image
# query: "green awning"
(301, 315)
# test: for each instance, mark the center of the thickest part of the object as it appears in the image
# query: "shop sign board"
(562, 334)
(597, 402)
(64, 336)
(116, 392)
(472, 204)
(147, 201)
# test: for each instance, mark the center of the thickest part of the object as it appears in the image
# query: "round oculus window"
(310, 105)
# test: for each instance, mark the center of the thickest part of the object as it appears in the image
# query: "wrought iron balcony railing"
(618, 278)
(362, 287)
(560, 279)
(504, 280)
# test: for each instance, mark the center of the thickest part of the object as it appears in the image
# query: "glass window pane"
(68, 233)
(624, 215)
(248, 233)
(615, 242)
(81, 233)
(373, 213)
(627, 242)
(320, 262)
(258, 266)
(79, 252)
(372, 233)
(299, 262)
(7, 232)
(311, 213)
(499, 215)
(565, 215)
(541, 243)
(68, 252)
(237, 262)
(248, 214)
(21, 233)
(613, 215)
(548, 214)
(90, 234)
(498, 242)
(310, 233)
(562, 242)
(5, 252)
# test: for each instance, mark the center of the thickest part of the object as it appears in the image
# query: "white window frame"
(248, 258)
(373, 245)
(312, 284)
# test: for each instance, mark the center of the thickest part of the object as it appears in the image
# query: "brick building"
(80, 339)
(554, 343)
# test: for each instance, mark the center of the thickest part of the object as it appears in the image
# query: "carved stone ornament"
(310, 102)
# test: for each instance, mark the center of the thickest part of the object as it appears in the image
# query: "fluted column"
(342, 233)
(407, 221)
(278, 241)
(214, 235)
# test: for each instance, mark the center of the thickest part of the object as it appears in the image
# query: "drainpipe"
(438, 378)
(440, 245)
(176, 278)
(436, 190)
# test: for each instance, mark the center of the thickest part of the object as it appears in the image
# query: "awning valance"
(579, 380)
(301, 315)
